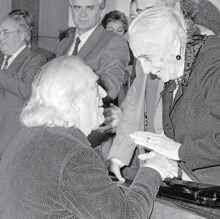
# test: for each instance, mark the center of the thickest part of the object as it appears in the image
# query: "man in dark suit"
(18, 66)
(105, 52)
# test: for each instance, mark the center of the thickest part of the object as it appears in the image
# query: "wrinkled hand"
(165, 167)
(116, 169)
(112, 119)
(159, 143)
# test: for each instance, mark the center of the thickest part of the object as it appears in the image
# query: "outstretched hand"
(159, 143)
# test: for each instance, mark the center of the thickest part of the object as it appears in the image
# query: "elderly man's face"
(11, 39)
(91, 108)
(157, 57)
(86, 14)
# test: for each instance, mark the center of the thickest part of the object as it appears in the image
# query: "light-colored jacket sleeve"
(132, 119)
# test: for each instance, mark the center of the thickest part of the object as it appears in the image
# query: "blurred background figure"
(204, 13)
(115, 21)
(18, 64)
(192, 13)
(29, 19)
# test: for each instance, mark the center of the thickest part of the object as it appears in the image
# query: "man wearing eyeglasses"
(18, 66)
(106, 53)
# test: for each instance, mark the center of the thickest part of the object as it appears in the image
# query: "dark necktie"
(167, 107)
(75, 51)
(4, 67)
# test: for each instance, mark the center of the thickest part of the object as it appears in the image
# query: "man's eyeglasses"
(6, 33)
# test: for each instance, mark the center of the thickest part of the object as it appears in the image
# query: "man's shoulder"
(107, 35)
(114, 36)
(27, 52)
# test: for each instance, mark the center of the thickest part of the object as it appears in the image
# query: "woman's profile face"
(157, 57)
(115, 26)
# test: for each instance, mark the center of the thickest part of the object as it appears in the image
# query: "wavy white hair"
(159, 21)
(55, 88)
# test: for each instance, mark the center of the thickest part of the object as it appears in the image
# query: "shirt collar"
(84, 37)
(11, 59)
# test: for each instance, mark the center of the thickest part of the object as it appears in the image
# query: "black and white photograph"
(109, 109)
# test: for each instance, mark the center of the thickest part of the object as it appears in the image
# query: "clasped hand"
(112, 119)
(165, 167)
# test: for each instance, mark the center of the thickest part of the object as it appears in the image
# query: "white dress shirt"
(12, 58)
(83, 38)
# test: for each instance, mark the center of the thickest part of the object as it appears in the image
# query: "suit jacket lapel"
(67, 45)
(19, 60)
(1, 59)
(167, 96)
(92, 41)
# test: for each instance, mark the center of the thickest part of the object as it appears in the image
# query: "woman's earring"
(178, 57)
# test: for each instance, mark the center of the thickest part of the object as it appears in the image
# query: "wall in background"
(122, 5)
(5, 7)
(53, 18)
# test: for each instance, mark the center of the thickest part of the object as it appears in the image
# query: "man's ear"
(23, 37)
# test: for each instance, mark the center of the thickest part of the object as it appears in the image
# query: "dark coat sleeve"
(204, 151)
(18, 81)
(112, 65)
(86, 188)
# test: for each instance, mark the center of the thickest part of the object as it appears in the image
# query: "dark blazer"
(54, 173)
(15, 88)
(194, 117)
(107, 54)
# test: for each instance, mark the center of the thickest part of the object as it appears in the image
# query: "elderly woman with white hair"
(50, 171)
(190, 68)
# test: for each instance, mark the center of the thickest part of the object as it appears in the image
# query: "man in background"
(18, 66)
(105, 52)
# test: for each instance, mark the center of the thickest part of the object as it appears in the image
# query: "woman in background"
(115, 21)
